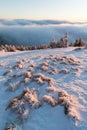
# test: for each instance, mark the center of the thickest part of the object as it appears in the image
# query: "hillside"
(43, 89)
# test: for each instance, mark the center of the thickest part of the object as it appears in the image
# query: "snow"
(44, 89)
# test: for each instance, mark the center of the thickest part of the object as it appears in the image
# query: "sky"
(72, 10)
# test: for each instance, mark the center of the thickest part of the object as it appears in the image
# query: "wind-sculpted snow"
(44, 89)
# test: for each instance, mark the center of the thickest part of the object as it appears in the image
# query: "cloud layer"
(40, 35)
(24, 22)
(21, 31)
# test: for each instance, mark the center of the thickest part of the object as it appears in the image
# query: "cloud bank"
(24, 22)
(21, 31)
(41, 35)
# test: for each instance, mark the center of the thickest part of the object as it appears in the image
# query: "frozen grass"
(20, 105)
(41, 78)
(50, 100)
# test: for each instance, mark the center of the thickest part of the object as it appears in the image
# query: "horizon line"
(27, 22)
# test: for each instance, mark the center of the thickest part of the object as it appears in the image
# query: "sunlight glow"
(72, 10)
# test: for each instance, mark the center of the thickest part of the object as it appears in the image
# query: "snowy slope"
(45, 84)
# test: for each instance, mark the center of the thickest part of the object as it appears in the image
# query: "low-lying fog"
(25, 32)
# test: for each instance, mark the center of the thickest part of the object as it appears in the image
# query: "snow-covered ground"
(44, 89)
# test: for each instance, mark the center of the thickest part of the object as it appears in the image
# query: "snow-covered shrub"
(26, 80)
(31, 63)
(62, 42)
(44, 68)
(69, 102)
(51, 55)
(53, 63)
(58, 57)
(71, 106)
(24, 60)
(65, 71)
(49, 99)
(19, 65)
(31, 69)
(44, 78)
(31, 96)
(64, 62)
(72, 60)
(54, 71)
(28, 74)
(52, 88)
(77, 71)
(79, 42)
(45, 63)
(20, 105)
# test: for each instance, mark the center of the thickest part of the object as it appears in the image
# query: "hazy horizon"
(71, 10)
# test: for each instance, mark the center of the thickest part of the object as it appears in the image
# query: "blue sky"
(44, 9)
